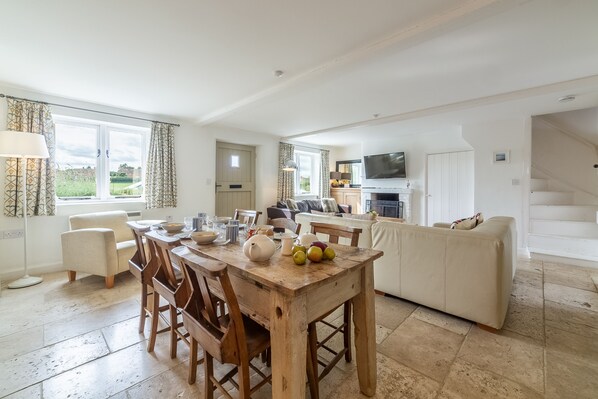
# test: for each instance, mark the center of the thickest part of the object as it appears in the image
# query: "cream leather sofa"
(467, 273)
(99, 243)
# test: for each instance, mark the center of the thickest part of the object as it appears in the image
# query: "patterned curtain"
(160, 175)
(286, 180)
(34, 117)
(324, 174)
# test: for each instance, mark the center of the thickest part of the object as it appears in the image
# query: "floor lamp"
(23, 145)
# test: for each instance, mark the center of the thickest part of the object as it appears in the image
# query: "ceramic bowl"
(172, 227)
(203, 237)
(221, 219)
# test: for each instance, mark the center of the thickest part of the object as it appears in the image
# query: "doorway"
(450, 186)
(235, 178)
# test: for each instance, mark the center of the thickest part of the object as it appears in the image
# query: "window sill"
(60, 203)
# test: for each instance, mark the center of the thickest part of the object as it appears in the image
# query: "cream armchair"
(99, 243)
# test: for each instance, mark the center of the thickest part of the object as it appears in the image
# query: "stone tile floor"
(80, 340)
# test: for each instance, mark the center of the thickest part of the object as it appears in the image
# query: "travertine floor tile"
(570, 343)
(570, 376)
(423, 347)
(21, 342)
(469, 382)
(571, 318)
(394, 381)
(89, 321)
(446, 321)
(511, 358)
(525, 320)
(571, 278)
(527, 277)
(390, 312)
(32, 392)
(126, 333)
(170, 384)
(528, 295)
(382, 333)
(49, 361)
(115, 372)
(571, 296)
(530, 265)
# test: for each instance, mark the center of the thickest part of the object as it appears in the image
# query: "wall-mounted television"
(385, 166)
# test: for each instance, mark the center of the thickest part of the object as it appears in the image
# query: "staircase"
(559, 226)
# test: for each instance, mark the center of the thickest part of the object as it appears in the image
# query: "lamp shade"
(335, 175)
(345, 176)
(290, 166)
(22, 145)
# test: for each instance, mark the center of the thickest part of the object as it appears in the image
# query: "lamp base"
(25, 281)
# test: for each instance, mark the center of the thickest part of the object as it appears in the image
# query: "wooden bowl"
(204, 237)
(170, 227)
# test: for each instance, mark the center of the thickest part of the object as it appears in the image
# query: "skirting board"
(8, 275)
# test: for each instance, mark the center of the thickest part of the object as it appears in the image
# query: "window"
(97, 160)
(307, 175)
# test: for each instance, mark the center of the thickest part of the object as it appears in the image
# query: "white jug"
(259, 248)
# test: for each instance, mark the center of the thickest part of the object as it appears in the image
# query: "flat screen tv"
(385, 166)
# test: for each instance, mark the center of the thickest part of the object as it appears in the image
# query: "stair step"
(568, 247)
(564, 228)
(551, 198)
(539, 184)
(580, 213)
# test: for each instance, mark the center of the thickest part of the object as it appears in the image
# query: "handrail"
(569, 185)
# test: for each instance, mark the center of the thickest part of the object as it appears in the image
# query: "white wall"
(502, 189)
(564, 158)
(195, 150)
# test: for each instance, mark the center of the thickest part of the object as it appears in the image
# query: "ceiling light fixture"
(566, 99)
(278, 73)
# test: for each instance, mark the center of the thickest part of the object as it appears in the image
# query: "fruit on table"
(319, 244)
(299, 257)
(329, 253)
(315, 254)
(299, 248)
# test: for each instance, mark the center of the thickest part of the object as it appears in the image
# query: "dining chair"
(231, 338)
(247, 216)
(169, 284)
(284, 223)
(144, 268)
(334, 232)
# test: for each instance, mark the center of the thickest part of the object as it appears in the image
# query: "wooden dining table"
(285, 297)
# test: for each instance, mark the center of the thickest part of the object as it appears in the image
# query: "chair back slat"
(227, 331)
(288, 224)
(160, 247)
(247, 216)
(334, 231)
(140, 257)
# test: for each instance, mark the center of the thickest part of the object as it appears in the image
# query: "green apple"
(329, 253)
(315, 254)
(299, 258)
(299, 248)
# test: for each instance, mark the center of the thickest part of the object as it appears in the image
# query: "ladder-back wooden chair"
(247, 216)
(284, 223)
(231, 338)
(144, 268)
(170, 285)
(334, 232)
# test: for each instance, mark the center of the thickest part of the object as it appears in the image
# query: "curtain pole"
(88, 110)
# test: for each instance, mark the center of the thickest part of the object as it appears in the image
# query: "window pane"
(305, 174)
(76, 157)
(126, 151)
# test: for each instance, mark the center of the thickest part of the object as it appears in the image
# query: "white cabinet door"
(450, 186)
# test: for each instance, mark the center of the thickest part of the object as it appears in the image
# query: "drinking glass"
(188, 222)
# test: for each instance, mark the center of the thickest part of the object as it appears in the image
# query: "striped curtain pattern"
(33, 117)
(286, 180)
(324, 174)
(160, 175)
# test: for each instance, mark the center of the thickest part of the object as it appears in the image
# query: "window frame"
(316, 160)
(103, 130)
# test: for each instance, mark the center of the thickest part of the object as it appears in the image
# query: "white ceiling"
(420, 64)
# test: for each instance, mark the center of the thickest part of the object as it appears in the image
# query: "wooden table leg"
(365, 332)
(288, 335)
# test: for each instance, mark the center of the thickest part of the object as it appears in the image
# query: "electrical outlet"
(8, 234)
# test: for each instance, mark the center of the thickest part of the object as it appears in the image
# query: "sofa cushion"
(324, 213)
(281, 204)
(329, 205)
(292, 204)
(468, 223)
(303, 206)
(314, 205)
(365, 216)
